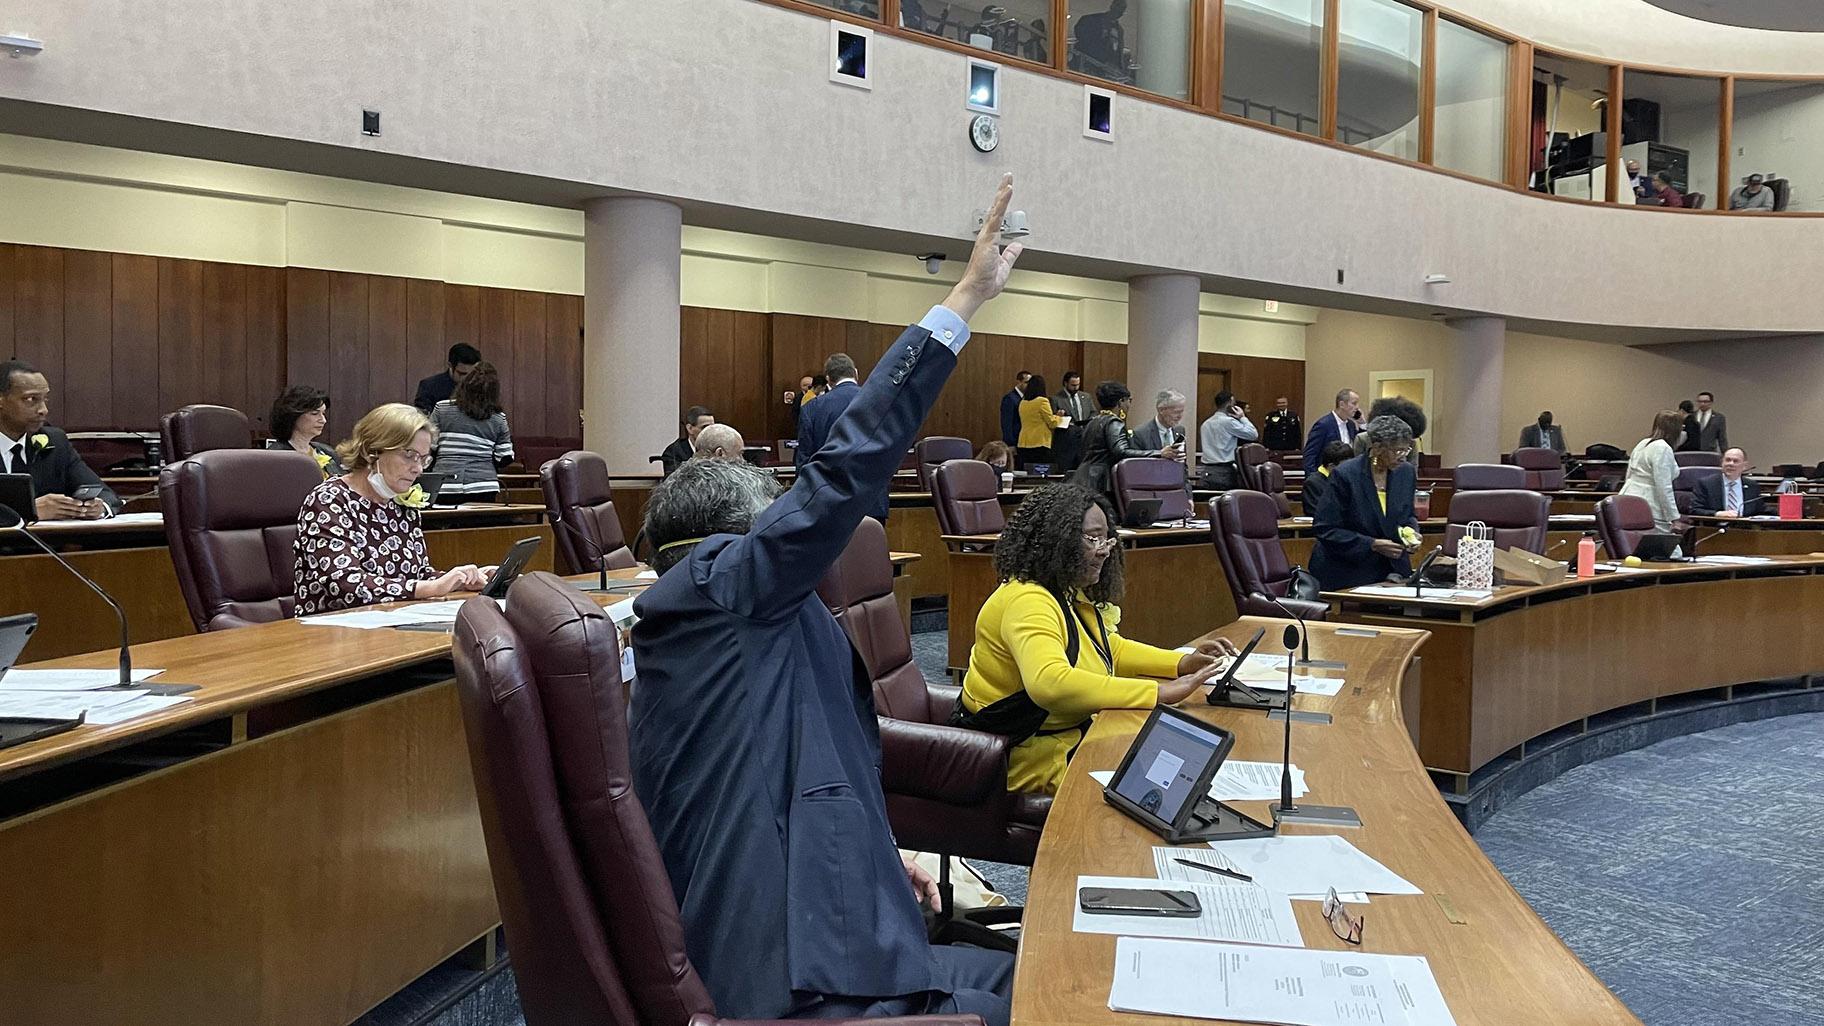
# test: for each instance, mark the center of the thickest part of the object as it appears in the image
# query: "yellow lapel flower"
(322, 459)
(42, 441)
(414, 499)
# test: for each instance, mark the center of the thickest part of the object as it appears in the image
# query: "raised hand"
(989, 265)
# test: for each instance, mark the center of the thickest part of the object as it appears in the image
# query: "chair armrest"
(704, 1019)
(701, 1019)
(942, 763)
(1308, 610)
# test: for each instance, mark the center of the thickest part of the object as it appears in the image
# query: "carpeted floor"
(1689, 875)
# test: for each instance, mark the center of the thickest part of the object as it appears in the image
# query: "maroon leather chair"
(966, 495)
(231, 517)
(1152, 478)
(583, 892)
(946, 787)
(1251, 461)
(1469, 477)
(1517, 517)
(203, 428)
(1684, 486)
(1244, 527)
(582, 515)
(935, 451)
(1544, 468)
(1620, 521)
(1698, 459)
(1273, 483)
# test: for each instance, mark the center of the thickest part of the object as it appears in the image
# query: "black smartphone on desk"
(1148, 902)
(87, 492)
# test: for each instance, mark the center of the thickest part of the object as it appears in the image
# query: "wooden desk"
(1503, 671)
(1502, 966)
(1175, 584)
(1753, 537)
(131, 560)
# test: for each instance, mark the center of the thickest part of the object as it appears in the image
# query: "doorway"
(1413, 384)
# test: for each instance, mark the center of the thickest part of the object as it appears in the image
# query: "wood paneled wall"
(740, 365)
(1258, 380)
(126, 339)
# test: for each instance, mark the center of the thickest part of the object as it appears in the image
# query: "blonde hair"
(384, 429)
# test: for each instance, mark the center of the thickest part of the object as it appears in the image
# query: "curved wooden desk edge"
(1502, 965)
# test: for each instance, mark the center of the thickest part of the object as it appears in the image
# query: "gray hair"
(1168, 397)
(721, 436)
(1388, 432)
(701, 498)
(1343, 394)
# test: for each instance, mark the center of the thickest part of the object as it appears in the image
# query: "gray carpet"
(1689, 875)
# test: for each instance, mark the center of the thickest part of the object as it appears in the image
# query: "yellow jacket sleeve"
(1139, 659)
(1035, 633)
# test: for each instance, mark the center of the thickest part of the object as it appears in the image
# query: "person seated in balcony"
(1048, 652)
(1663, 193)
(1751, 195)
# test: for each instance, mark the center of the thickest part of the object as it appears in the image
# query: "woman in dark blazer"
(1366, 530)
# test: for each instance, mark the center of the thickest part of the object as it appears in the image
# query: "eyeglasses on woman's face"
(411, 457)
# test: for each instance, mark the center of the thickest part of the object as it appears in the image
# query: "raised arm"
(769, 571)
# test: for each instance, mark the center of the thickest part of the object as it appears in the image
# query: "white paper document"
(1734, 560)
(1167, 867)
(136, 708)
(1407, 591)
(67, 680)
(646, 575)
(375, 619)
(1327, 687)
(61, 705)
(1295, 986)
(1232, 911)
(1238, 781)
(1309, 865)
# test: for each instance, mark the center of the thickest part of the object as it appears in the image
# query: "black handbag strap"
(1017, 717)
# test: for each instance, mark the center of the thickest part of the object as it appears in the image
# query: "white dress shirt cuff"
(945, 326)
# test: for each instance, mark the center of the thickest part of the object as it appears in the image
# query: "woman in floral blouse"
(359, 536)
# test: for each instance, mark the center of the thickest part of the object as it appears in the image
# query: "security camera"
(934, 262)
(20, 46)
(1013, 225)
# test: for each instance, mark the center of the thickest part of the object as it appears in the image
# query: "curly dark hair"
(1043, 544)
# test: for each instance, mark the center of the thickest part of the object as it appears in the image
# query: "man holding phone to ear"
(65, 487)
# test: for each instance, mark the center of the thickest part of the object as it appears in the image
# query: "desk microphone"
(1695, 542)
(120, 615)
(1286, 810)
(1305, 662)
(601, 558)
(1417, 580)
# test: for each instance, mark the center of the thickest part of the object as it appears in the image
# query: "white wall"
(730, 110)
(1778, 133)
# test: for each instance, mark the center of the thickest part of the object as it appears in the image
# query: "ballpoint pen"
(1218, 870)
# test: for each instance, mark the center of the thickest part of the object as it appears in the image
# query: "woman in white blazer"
(1652, 468)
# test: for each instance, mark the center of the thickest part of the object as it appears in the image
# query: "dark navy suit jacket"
(756, 752)
(56, 469)
(1349, 519)
(1323, 432)
(1707, 499)
(814, 428)
(1010, 417)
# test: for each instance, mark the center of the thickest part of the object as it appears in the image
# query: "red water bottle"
(1586, 555)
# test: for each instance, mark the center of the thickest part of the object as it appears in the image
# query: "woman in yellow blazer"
(1036, 423)
(1039, 673)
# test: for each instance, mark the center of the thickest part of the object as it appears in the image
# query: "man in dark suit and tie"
(685, 446)
(1543, 435)
(821, 416)
(1729, 494)
(29, 445)
(1010, 410)
(755, 748)
(1712, 426)
(1339, 425)
(1067, 442)
(438, 387)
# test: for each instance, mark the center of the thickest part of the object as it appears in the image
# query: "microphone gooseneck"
(120, 615)
(1285, 765)
(1304, 633)
(601, 558)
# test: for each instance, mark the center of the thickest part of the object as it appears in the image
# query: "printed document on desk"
(1167, 867)
(1294, 986)
(1310, 864)
(68, 680)
(1232, 911)
(101, 707)
(1238, 781)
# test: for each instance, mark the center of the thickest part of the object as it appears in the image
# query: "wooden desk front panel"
(914, 529)
(71, 619)
(1502, 966)
(1763, 541)
(299, 878)
(1493, 683)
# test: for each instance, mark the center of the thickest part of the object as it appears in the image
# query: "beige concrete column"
(632, 249)
(1162, 347)
(1471, 395)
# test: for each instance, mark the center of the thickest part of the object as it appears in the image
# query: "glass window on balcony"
(1469, 132)
(863, 8)
(1669, 125)
(1142, 43)
(1273, 62)
(1763, 143)
(1015, 28)
(1568, 143)
(1380, 63)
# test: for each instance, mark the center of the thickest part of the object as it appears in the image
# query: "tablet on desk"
(1164, 780)
(17, 494)
(510, 568)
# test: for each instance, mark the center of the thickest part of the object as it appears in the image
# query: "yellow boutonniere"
(42, 441)
(414, 499)
(1410, 537)
(322, 459)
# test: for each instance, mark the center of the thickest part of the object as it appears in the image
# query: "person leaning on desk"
(30, 446)
(1048, 656)
(360, 539)
(1365, 526)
